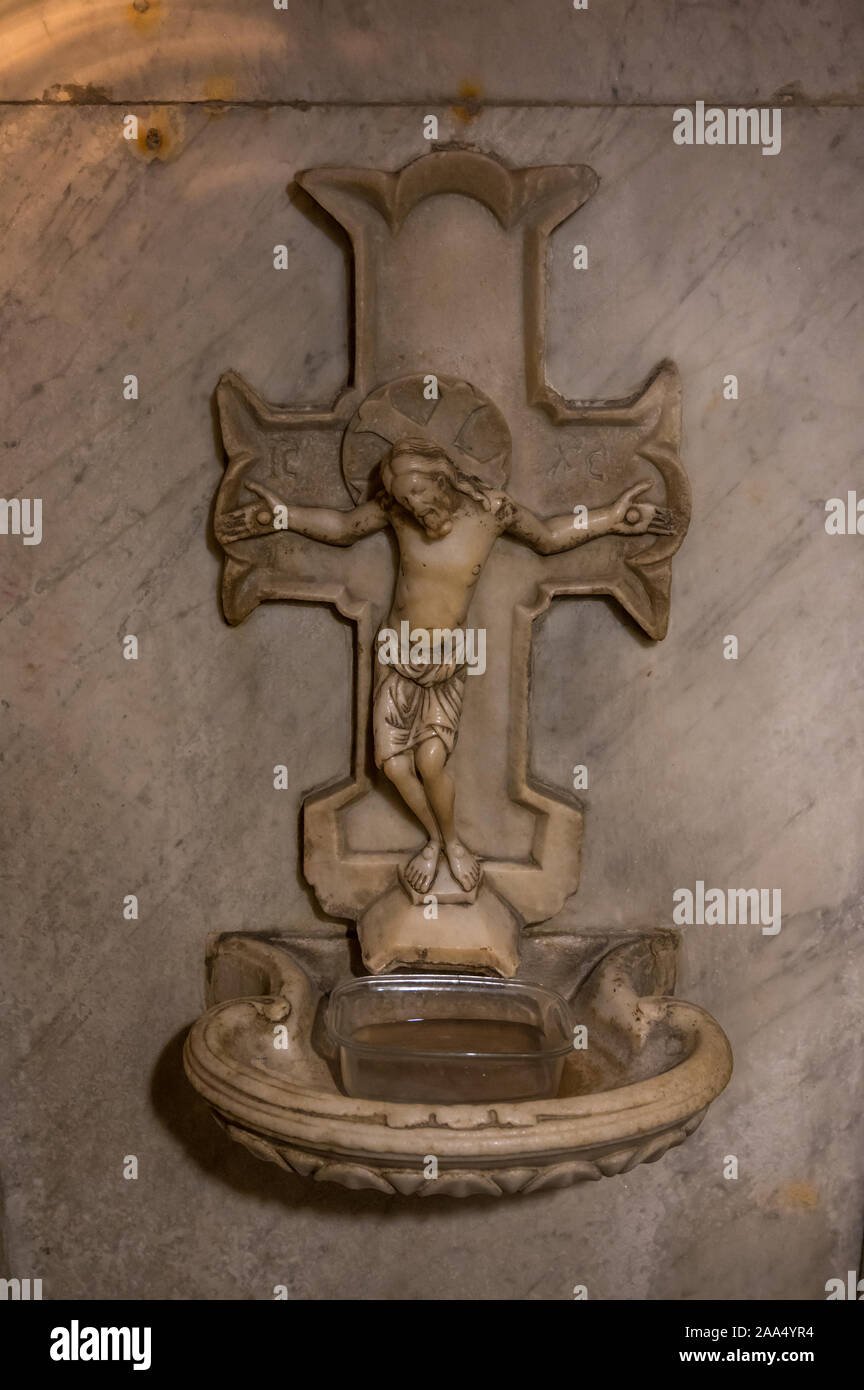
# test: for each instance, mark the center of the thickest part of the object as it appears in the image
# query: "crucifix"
(435, 506)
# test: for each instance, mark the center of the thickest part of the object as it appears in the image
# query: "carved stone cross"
(448, 391)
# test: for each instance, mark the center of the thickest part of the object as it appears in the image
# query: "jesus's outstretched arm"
(326, 524)
(623, 517)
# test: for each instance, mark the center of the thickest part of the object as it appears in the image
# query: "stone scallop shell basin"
(270, 1068)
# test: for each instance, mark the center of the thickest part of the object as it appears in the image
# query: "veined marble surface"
(155, 777)
(608, 52)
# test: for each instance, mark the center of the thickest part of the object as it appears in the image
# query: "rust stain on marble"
(219, 87)
(77, 94)
(795, 1196)
(470, 105)
(144, 16)
(160, 134)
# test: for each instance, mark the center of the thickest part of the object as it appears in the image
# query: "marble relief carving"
(432, 459)
(441, 504)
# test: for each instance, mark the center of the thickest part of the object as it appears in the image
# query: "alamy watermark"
(720, 907)
(423, 646)
(737, 125)
(21, 516)
(77, 1343)
(20, 1290)
(844, 516)
(851, 1288)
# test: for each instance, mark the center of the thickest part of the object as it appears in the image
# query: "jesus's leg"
(430, 757)
(421, 870)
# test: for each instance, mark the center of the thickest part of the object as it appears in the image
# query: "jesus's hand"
(631, 518)
(256, 519)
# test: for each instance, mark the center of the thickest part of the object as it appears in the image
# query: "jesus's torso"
(436, 577)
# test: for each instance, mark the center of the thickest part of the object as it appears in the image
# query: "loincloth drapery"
(413, 703)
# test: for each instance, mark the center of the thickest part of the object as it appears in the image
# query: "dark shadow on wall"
(187, 1117)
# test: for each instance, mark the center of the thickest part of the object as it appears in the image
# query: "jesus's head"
(423, 479)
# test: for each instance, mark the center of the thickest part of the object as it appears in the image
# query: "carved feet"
(421, 870)
(465, 867)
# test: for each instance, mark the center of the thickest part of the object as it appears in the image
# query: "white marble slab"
(155, 777)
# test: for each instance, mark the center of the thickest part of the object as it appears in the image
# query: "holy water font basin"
(262, 1059)
(450, 1039)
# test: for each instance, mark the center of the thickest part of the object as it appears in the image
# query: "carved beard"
(441, 524)
(437, 522)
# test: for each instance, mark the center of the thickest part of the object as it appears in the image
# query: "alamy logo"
(21, 516)
(423, 646)
(76, 1343)
(738, 126)
(718, 907)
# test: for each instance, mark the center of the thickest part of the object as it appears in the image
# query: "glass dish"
(450, 1039)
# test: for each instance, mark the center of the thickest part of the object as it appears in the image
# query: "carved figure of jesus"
(446, 523)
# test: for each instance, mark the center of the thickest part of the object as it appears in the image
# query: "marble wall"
(154, 776)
